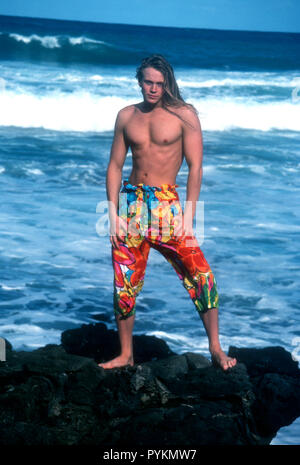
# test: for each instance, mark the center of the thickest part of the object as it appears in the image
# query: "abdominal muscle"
(155, 168)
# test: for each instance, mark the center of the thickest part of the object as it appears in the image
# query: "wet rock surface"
(58, 394)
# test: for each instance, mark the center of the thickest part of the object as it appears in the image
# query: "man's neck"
(147, 107)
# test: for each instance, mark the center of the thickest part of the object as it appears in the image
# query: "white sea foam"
(35, 171)
(29, 336)
(170, 336)
(279, 227)
(254, 168)
(179, 342)
(23, 328)
(54, 41)
(46, 41)
(96, 77)
(268, 301)
(83, 110)
(11, 288)
(290, 170)
(53, 264)
(84, 40)
(2, 169)
(257, 169)
(239, 81)
(264, 319)
(227, 113)
(125, 79)
(201, 81)
(80, 111)
(208, 169)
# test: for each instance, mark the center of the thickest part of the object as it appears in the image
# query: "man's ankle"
(215, 347)
(126, 355)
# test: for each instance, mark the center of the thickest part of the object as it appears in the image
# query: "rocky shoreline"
(57, 394)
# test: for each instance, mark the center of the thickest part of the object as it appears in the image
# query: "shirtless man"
(160, 131)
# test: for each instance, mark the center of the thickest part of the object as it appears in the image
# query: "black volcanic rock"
(58, 395)
(95, 340)
(275, 378)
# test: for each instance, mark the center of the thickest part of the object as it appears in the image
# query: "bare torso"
(155, 139)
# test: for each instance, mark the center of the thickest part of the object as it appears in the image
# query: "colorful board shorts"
(151, 214)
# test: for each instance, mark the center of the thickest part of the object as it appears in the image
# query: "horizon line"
(150, 25)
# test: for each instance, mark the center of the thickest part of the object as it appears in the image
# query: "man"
(160, 131)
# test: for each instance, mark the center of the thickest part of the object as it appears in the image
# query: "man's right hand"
(118, 231)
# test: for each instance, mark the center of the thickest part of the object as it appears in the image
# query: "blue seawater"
(61, 86)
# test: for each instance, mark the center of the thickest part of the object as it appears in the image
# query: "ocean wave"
(85, 111)
(262, 82)
(55, 41)
(11, 288)
(64, 42)
(229, 113)
(85, 40)
(81, 111)
(257, 169)
(35, 171)
(262, 79)
(46, 41)
(29, 336)
(63, 49)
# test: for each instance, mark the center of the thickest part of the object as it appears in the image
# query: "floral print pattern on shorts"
(151, 214)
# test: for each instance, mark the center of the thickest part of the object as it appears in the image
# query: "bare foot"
(120, 361)
(219, 358)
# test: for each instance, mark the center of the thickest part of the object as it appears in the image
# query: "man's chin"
(152, 101)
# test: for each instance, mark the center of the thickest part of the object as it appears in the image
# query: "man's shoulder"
(125, 114)
(189, 115)
(187, 111)
(127, 111)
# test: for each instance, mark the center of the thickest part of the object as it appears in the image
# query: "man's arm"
(118, 153)
(193, 152)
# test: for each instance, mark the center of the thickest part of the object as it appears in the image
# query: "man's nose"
(153, 88)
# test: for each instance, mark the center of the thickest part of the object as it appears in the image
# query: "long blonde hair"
(171, 96)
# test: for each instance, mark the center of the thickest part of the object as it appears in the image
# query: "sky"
(251, 15)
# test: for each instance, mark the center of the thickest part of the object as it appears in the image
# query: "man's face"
(152, 85)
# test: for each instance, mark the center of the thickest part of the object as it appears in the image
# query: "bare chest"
(159, 130)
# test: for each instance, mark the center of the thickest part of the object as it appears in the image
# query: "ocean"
(61, 86)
